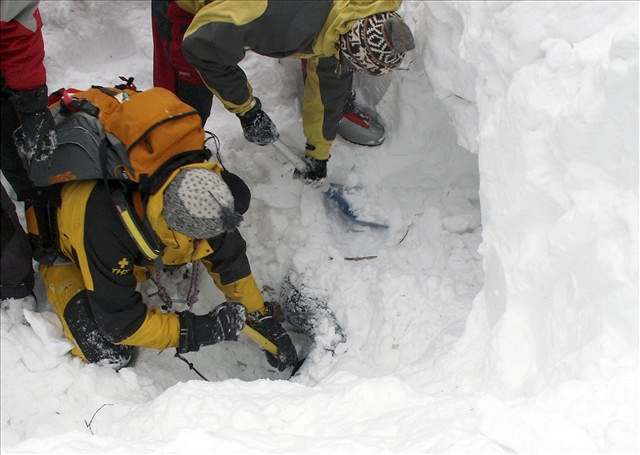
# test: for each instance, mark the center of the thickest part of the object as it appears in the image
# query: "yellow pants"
(64, 282)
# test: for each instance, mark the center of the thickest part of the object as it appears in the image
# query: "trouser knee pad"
(95, 347)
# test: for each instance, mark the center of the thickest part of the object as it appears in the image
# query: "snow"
(517, 335)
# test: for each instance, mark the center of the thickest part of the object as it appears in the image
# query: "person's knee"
(90, 339)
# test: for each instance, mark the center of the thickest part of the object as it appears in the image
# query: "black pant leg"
(16, 274)
(10, 160)
(197, 96)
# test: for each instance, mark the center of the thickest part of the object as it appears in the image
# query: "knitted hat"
(377, 44)
(199, 204)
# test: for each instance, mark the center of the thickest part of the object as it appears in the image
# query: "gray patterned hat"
(199, 204)
(377, 43)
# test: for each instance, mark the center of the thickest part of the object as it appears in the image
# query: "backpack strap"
(144, 238)
(107, 91)
(42, 222)
(138, 205)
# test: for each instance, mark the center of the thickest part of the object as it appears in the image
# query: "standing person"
(27, 129)
(170, 69)
(334, 38)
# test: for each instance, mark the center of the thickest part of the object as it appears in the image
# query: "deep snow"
(542, 358)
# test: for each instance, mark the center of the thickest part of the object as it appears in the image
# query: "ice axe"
(333, 192)
(268, 346)
(261, 340)
(256, 337)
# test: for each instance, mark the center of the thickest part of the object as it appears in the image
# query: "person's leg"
(163, 73)
(325, 90)
(197, 96)
(170, 69)
(66, 294)
(356, 125)
(11, 162)
(16, 274)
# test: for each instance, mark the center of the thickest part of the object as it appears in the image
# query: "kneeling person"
(194, 215)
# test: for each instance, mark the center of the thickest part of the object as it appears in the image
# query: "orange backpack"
(123, 134)
(119, 133)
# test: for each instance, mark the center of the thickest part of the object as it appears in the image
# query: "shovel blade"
(336, 195)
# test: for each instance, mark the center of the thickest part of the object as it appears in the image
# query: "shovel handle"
(294, 159)
(261, 340)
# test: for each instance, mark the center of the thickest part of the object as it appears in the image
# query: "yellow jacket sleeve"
(228, 266)
(158, 331)
(245, 290)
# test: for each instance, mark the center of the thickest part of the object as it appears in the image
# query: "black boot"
(315, 172)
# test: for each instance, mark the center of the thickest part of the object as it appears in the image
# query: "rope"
(192, 297)
(162, 291)
(192, 293)
(191, 367)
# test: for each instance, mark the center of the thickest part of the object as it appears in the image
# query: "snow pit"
(519, 335)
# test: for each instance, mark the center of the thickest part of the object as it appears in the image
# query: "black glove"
(36, 137)
(224, 323)
(257, 126)
(273, 331)
(316, 170)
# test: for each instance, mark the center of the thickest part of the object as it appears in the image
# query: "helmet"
(377, 44)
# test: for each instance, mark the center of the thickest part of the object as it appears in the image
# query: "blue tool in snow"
(335, 193)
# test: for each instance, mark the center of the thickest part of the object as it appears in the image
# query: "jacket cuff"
(30, 101)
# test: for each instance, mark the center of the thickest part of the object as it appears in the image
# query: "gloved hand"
(274, 332)
(257, 126)
(36, 137)
(316, 170)
(223, 323)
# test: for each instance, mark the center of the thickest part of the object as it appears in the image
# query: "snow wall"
(547, 94)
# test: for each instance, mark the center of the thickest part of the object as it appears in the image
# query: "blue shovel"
(335, 193)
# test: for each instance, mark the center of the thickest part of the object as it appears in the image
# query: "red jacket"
(21, 46)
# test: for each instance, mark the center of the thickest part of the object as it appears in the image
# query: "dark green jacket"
(222, 31)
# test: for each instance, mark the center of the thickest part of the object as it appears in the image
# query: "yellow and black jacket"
(104, 256)
(223, 30)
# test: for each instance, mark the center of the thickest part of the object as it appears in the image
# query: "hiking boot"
(358, 127)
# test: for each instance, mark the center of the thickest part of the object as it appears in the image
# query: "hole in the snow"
(401, 295)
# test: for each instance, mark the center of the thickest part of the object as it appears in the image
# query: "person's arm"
(325, 92)
(214, 44)
(229, 268)
(117, 307)
(23, 80)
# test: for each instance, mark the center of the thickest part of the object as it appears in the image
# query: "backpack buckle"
(72, 104)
